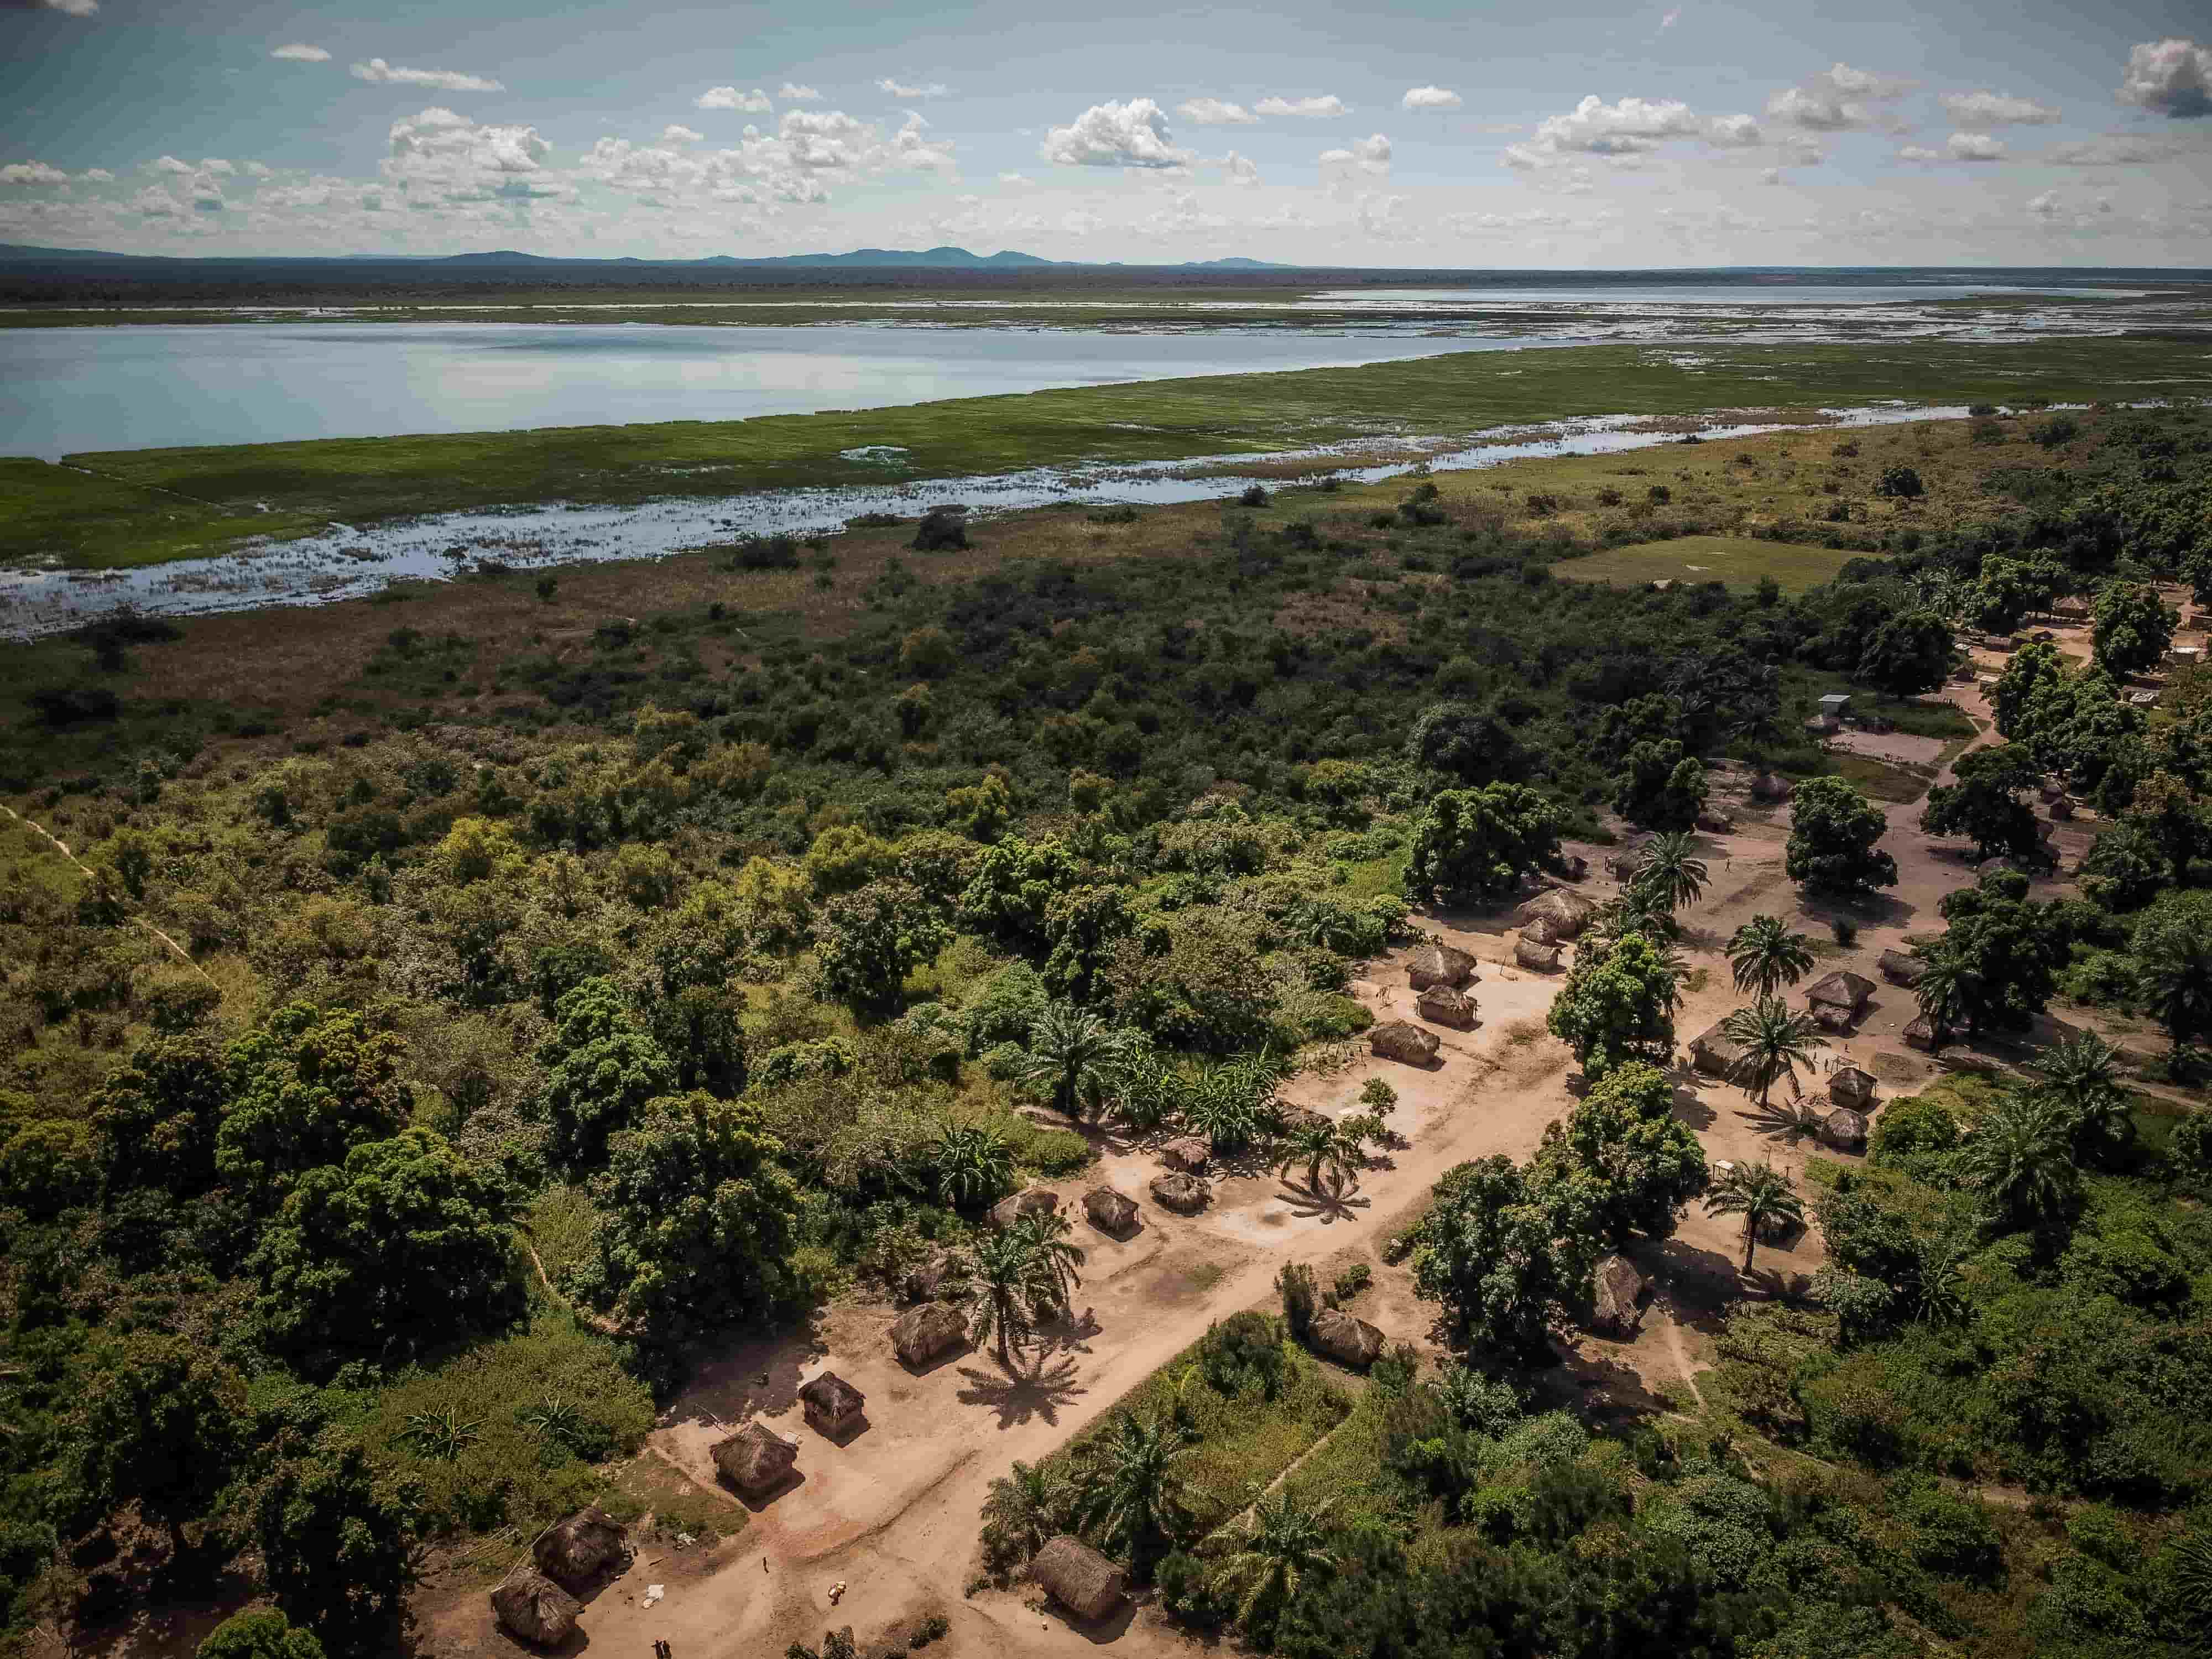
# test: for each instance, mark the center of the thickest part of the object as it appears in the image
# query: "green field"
(363, 480)
(1738, 561)
(84, 521)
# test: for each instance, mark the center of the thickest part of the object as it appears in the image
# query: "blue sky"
(1571, 134)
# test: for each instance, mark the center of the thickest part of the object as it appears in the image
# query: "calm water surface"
(69, 390)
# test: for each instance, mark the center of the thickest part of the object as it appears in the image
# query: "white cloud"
(217, 166)
(1731, 132)
(169, 164)
(676, 135)
(73, 7)
(792, 92)
(2114, 149)
(897, 88)
(2171, 77)
(2045, 206)
(1919, 153)
(1997, 109)
(1840, 98)
(1114, 134)
(441, 152)
(751, 103)
(1632, 126)
(1240, 170)
(99, 176)
(300, 53)
(1975, 147)
(378, 71)
(260, 170)
(1214, 112)
(1771, 176)
(1430, 98)
(32, 173)
(1325, 107)
(1671, 19)
(1370, 156)
(1016, 179)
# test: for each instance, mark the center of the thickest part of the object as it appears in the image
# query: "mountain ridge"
(946, 258)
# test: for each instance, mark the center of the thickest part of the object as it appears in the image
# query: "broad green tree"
(1659, 786)
(1489, 1250)
(2027, 677)
(1834, 831)
(304, 1090)
(261, 1634)
(2132, 629)
(164, 1424)
(158, 1115)
(602, 1065)
(335, 1538)
(1620, 1164)
(2006, 948)
(871, 940)
(1616, 1005)
(1909, 652)
(1984, 804)
(1473, 845)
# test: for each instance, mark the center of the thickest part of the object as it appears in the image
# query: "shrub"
(1295, 1282)
(942, 530)
(2058, 430)
(1900, 483)
(1953, 1536)
(1253, 496)
(766, 553)
(1241, 1352)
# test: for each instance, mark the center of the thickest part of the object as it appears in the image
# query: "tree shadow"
(1778, 1122)
(1689, 1107)
(1697, 1285)
(1328, 1204)
(1097, 1632)
(1018, 1398)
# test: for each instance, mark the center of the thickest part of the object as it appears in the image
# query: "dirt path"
(62, 847)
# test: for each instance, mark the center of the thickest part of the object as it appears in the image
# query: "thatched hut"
(531, 1606)
(1616, 1301)
(1297, 1119)
(1566, 914)
(1403, 1041)
(1079, 1578)
(1111, 1212)
(1185, 1195)
(1920, 1033)
(1901, 968)
(1436, 963)
(1845, 1129)
(1345, 1338)
(926, 1279)
(757, 1459)
(1718, 1054)
(1443, 1006)
(1842, 989)
(1829, 1017)
(1190, 1154)
(1850, 1086)
(920, 1334)
(1008, 1210)
(575, 1551)
(1769, 786)
(1573, 865)
(1540, 955)
(834, 1407)
(1716, 823)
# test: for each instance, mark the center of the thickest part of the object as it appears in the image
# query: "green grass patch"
(58, 516)
(560, 1223)
(1739, 562)
(1883, 780)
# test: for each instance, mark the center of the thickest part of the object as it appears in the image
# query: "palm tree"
(1776, 1042)
(1759, 1193)
(1223, 1106)
(2020, 1157)
(1004, 1281)
(1280, 1547)
(1937, 1297)
(1131, 1487)
(1321, 1146)
(1053, 1255)
(1027, 1507)
(1672, 871)
(1946, 994)
(2174, 967)
(974, 1163)
(1075, 1055)
(1765, 955)
(2082, 1074)
(1634, 910)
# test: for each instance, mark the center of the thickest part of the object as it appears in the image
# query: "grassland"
(1739, 563)
(363, 480)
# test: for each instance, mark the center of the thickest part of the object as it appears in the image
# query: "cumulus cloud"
(1240, 170)
(898, 88)
(1430, 98)
(32, 173)
(1624, 130)
(255, 170)
(1112, 134)
(300, 53)
(2172, 78)
(1370, 156)
(676, 135)
(792, 92)
(1997, 109)
(376, 70)
(1974, 147)
(1731, 132)
(2045, 206)
(99, 176)
(2114, 149)
(1214, 112)
(1919, 153)
(1840, 98)
(215, 164)
(72, 8)
(1326, 107)
(1771, 176)
(1016, 179)
(169, 164)
(439, 149)
(751, 103)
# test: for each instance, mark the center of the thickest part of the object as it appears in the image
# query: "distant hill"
(51, 259)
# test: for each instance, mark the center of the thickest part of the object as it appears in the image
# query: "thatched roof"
(1566, 913)
(1185, 1193)
(530, 1605)
(1767, 786)
(1079, 1578)
(1618, 1295)
(920, 1334)
(1899, 968)
(1850, 1086)
(1841, 989)
(1717, 1053)
(1401, 1040)
(756, 1457)
(1445, 1007)
(1109, 1211)
(1715, 824)
(1844, 1128)
(1573, 865)
(1920, 1033)
(926, 1278)
(1190, 1154)
(574, 1551)
(1008, 1210)
(1296, 1118)
(1348, 1341)
(1541, 955)
(1833, 1017)
(1435, 964)
(831, 1396)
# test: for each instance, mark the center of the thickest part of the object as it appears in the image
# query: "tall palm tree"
(2083, 1075)
(1004, 1280)
(1282, 1546)
(1027, 1507)
(1946, 994)
(2174, 966)
(1131, 1488)
(1765, 955)
(1053, 1255)
(1759, 1193)
(1075, 1055)
(1322, 1147)
(1776, 1042)
(2020, 1156)
(1672, 871)
(973, 1163)
(1632, 910)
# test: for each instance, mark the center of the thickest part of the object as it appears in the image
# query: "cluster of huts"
(538, 1600)
(1836, 1003)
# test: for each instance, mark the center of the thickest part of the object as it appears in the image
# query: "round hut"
(920, 1334)
(1189, 1154)
(1008, 1210)
(1438, 964)
(1184, 1193)
(755, 1459)
(1899, 968)
(1564, 913)
(1111, 1212)
(532, 1606)
(1850, 1086)
(1617, 1299)
(1540, 954)
(1404, 1042)
(834, 1407)
(1346, 1340)
(575, 1551)
(1845, 1129)
(1081, 1579)
(1443, 1004)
